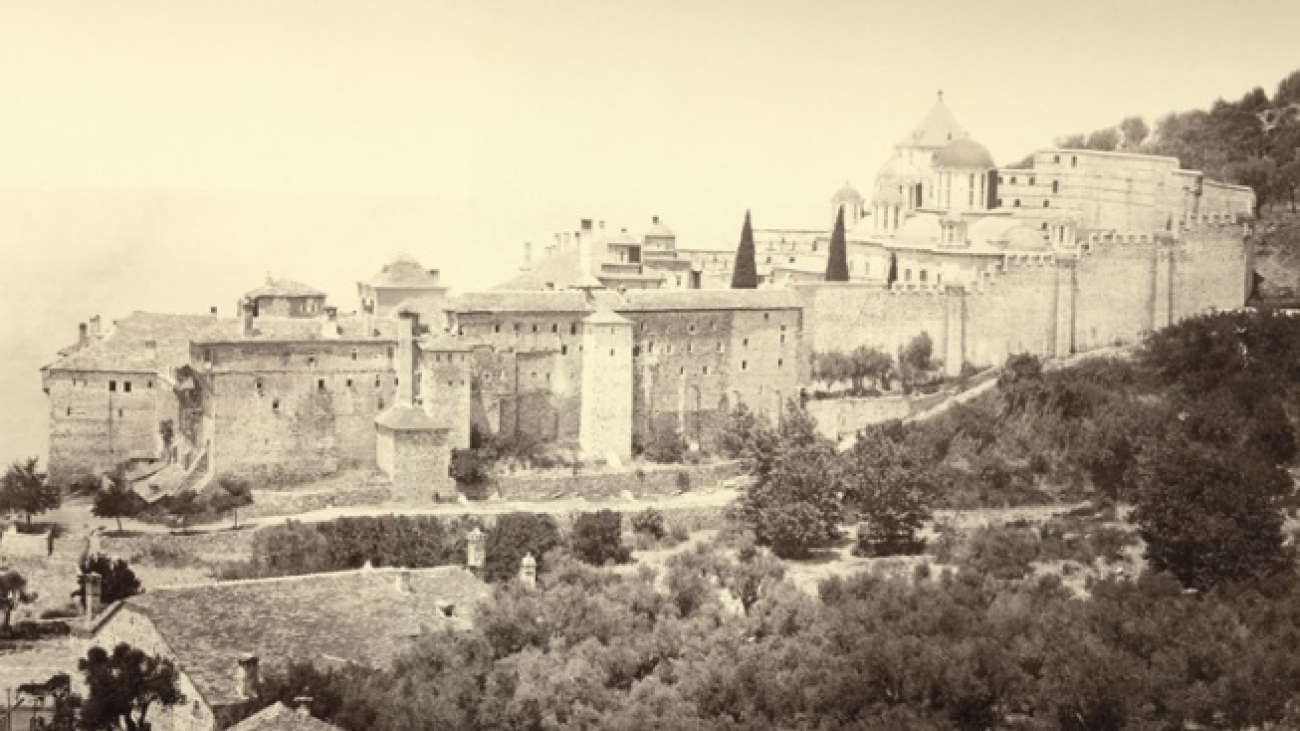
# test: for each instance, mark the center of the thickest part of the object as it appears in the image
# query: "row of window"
(1016, 203)
(286, 357)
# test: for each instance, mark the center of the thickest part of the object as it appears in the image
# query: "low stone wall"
(13, 543)
(656, 480)
(839, 417)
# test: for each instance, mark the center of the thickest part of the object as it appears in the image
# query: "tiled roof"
(298, 329)
(651, 300)
(351, 617)
(283, 288)
(124, 347)
(406, 273)
(279, 717)
(561, 270)
(563, 300)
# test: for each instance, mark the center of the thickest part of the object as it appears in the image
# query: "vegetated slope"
(1277, 259)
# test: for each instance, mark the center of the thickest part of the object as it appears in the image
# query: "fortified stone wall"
(1207, 269)
(99, 419)
(295, 410)
(843, 316)
(1115, 286)
(657, 480)
(1015, 312)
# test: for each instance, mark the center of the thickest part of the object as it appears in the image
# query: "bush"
(516, 535)
(666, 447)
(649, 522)
(1005, 552)
(470, 467)
(598, 538)
(68, 611)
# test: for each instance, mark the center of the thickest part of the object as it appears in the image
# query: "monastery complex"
(605, 338)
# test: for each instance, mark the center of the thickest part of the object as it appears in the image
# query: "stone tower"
(445, 385)
(606, 422)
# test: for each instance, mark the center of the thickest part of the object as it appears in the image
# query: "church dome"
(847, 193)
(966, 154)
(658, 230)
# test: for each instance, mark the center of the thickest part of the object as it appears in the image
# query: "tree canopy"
(24, 488)
(124, 686)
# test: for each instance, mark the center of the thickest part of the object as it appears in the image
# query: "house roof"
(283, 288)
(124, 348)
(560, 300)
(279, 717)
(561, 270)
(349, 328)
(360, 616)
(663, 300)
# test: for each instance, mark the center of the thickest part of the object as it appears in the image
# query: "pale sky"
(165, 155)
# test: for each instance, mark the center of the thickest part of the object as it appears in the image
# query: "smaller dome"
(658, 230)
(847, 193)
(964, 153)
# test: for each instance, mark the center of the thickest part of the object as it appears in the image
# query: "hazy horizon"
(163, 157)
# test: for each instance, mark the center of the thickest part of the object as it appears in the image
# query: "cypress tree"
(893, 269)
(745, 273)
(837, 264)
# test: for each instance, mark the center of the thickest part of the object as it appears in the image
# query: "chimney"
(250, 328)
(330, 328)
(246, 676)
(94, 327)
(474, 550)
(403, 581)
(528, 571)
(407, 322)
(602, 227)
(368, 316)
(654, 220)
(82, 340)
(213, 310)
(93, 591)
(528, 255)
(586, 225)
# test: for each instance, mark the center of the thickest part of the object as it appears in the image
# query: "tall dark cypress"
(893, 269)
(837, 264)
(745, 273)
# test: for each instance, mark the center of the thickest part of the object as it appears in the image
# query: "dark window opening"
(126, 386)
(112, 385)
(275, 404)
(320, 384)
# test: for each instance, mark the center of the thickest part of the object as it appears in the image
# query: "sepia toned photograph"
(570, 365)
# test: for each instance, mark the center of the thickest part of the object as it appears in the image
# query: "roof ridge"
(302, 577)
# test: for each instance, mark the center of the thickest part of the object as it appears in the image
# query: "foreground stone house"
(222, 636)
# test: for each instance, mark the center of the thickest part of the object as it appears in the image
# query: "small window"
(112, 385)
(999, 203)
(381, 403)
(349, 383)
(783, 338)
(1031, 180)
(69, 411)
(354, 354)
(780, 362)
(320, 384)
(767, 316)
(376, 381)
(258, 387)
(149, 384)
(275, 405)
(126, 386)
(721, 348)
(496, 328)
(1046, 203)
(573, 328)
(1016, 203)
(691, 328)
(1074, 161)
(1056, 186)
(555, 327)
(611, 352)
(681, 371)
(119, 413)
(744, 365)
(534, 327)
(1056, 158)
(311, 361)
(516, 328)
(564, 350)
(706, 370)
(1013, 180)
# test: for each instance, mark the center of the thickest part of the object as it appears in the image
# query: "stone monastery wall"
(1119, 287)
(101, 418)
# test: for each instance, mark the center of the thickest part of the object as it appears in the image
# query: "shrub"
(470, 467)
(666, 447)
(678, 533)
(68, 611)
(1002, 552)
(598, 538)
(649, 522)
(516, 535)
